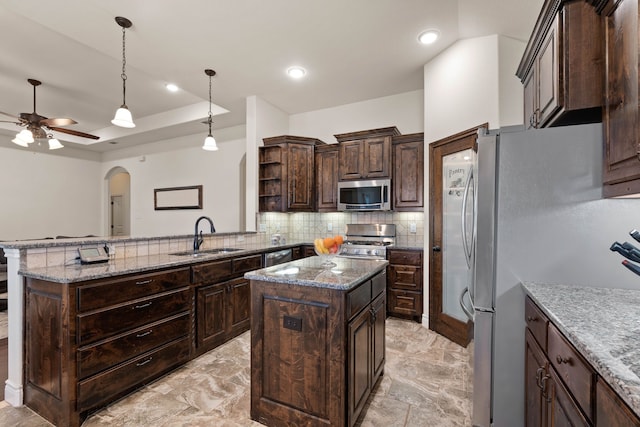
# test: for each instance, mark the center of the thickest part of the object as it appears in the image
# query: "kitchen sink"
(206, 252)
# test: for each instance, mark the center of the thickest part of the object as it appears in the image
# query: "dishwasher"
(277, 257)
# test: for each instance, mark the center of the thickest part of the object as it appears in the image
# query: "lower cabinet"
(561, 388)
(222, 300)
(90, 343)
(404, 287)
(316, 352)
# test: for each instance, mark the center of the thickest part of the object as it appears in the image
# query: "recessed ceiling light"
(296, 72)
(428, 36)
(171, 87)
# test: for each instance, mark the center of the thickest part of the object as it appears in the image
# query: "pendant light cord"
(124, 75)
(210, 114)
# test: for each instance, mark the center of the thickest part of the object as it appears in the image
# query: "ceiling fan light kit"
(123, 116)
(210, 141)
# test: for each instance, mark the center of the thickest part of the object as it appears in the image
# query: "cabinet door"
(377, 157)
(622, 162)
(530, 101)
(301, 177)
(611, 410)
(327, 169)
(351, 160)
(359, 375)
(561, 409)
(548, 92)
(408, 176)
(378, 313)
(238, 310)
(535, 368)
(210, 326)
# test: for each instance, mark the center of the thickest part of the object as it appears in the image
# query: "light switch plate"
(329, 226)
(412, 227)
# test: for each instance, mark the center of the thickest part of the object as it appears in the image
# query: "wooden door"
(378, 311)
(211, 327)
(359, 373)
(301, 177)
(408, 174)
(530, 100)
(351, 160)
(535, 368)
(548, 76)
(238, 310)
(449, 272)
(561, 409)
(117, 216)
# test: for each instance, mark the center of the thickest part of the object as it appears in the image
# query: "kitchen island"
(317, 340)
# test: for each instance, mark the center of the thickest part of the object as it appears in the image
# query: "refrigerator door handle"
(466, 310)
(467, 186)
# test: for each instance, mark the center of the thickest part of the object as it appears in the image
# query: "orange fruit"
(328, 242)
(338, 239)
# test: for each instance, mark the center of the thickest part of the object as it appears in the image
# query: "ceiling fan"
(40, 127)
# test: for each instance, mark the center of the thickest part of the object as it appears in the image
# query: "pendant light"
(210, 141)
(123, 115)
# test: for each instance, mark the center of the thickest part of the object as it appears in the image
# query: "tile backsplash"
(304, 226)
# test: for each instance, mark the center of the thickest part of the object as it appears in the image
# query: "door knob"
(436, 248)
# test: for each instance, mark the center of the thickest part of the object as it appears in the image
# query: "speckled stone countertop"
(346, 274)
(120, 266)
(603, 325)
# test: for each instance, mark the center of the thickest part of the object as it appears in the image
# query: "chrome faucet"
(197, 240)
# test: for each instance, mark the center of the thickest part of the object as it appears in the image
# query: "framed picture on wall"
(178, 198)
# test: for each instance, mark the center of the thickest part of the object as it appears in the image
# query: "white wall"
(46, 195)
(405, 111)
(511, 96)
(219, 172)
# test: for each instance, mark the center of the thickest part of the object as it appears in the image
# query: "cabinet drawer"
(404, 302)
(247, 263)
(576, 374)
(405, 257)
(123, 378)
(103, 294)
(358, 298)
(406, 277)
(536, 322)
(97, 325)
(212, 271)
(111, 352)
(378, 284)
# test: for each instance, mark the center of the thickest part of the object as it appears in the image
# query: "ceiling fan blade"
(57, 122)
(73, 132)
(9, 115)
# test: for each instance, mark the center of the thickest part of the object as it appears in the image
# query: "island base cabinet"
(316, 352)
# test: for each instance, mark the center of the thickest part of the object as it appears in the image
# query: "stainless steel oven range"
(368, 241)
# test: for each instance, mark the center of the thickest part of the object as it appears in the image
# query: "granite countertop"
(347, 273)
(121, 266)
(603, 325)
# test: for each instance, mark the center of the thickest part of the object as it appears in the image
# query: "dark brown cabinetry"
(562, 69)
(621, 174)
(366, 154)
(299, 379)
(286, 174)
(561, 388)
(404, 284)
(89, 343)
(327, 167)
(222, 300)
(408, 172)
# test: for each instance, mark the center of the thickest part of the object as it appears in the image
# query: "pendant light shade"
(54, 144)
(19, 141)
(210, 141)
(123, 115)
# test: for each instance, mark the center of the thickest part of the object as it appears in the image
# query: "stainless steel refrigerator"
(539, 216)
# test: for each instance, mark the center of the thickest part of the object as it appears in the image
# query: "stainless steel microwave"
(364, 195)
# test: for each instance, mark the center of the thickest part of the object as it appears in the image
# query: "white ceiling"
(353, 50)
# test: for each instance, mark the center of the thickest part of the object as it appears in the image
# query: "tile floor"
(427, 382)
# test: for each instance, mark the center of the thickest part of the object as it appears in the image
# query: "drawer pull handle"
(145, 362)
(143, 305)
(144, 282)
(532, 319)
(562, 360)
(144, 334)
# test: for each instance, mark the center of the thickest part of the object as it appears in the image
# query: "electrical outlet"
(329, 226)
(263, 227)
(412, 227)
(240, 238)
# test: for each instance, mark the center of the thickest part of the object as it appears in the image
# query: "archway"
(118, 202)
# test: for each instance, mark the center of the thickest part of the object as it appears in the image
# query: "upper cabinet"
(327, 164)
(562, 68)
(621, 171)
(408, 172)
(286, 174)
(366, 154)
